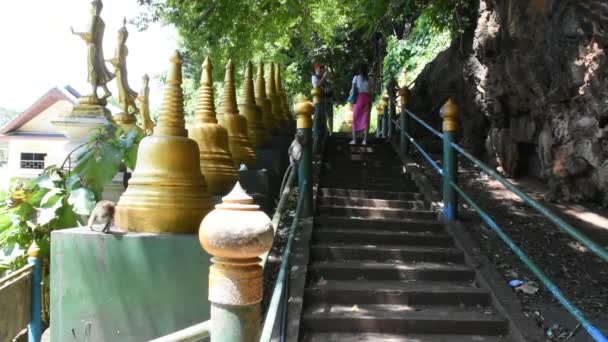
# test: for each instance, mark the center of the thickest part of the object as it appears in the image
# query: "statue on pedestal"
(98, 73)
(126, 95)
(144, 106)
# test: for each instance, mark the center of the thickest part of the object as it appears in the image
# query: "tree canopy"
(298, 33)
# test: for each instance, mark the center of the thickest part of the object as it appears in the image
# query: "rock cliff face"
(532, 80)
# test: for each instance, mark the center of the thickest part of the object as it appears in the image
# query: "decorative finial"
(229, 96)
(238, 196)
(449, 111)
(277, 78)
(171, 120)
(205, 106)
(247, 90)
(304, 110)
(34, 250)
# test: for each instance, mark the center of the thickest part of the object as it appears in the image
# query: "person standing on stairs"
(321, 78)
(363, 104)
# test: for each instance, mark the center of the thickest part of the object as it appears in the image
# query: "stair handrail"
(564, 226)
(279, 292)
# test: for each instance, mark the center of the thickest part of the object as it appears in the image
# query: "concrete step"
(397, 185)
(372, 203)
(361, 270)
(375, 164)
(382, 253)
(374, 213)
(375, 337)
(355, 178)
(395, 292)
(341, 168)
(370, 194)
(404, 319)
(409, 225)
(381, 237)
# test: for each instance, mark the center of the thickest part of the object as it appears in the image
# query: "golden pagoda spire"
(229, 117)
(167, 193)
(263, 102)
(171, 120)
(282, 95)
(275, 100)
(255, 127)
(216, 161)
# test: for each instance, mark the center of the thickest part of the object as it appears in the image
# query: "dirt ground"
(582, 277)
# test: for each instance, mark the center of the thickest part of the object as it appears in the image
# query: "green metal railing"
(280, 293)
(449, 148)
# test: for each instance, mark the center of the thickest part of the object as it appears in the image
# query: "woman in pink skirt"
(363, 105)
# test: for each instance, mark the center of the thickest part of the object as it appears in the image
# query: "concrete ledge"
(126, 286)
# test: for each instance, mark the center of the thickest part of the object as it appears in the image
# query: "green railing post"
(35, 326)
(236, 233)
(449, 112)
(404, 94)
(318, 130)
(304, 111)
(385, 117)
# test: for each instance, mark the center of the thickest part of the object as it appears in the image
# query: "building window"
(32, 161)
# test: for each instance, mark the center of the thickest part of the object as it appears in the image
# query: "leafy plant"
(62, 197)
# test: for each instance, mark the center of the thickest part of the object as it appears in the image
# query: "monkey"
(296, 147)
(102, 213)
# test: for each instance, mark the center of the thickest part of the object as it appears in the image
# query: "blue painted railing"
(564, 226)
(280, 293)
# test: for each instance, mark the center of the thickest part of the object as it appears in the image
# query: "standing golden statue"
(126, 95)
(144, 106)
(99, 75)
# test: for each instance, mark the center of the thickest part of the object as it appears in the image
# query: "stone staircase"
(381, 267)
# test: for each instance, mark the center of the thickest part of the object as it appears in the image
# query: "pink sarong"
(361, 112)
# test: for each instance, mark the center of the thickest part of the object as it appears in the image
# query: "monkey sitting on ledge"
(103, 213)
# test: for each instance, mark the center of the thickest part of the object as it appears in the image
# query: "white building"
(33, 143)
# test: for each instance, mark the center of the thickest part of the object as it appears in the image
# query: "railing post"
(319, 121)
(404, 93)
(449, 112)
(35, 326)
(392, 111)
(385, 117)
(236, 233)
(380, 114)
(304, 110)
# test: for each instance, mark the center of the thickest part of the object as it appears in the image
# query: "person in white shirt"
(321, 78)
(363, 104)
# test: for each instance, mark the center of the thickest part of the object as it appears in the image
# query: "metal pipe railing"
(191, 334)
(552, 287)
(279, 288)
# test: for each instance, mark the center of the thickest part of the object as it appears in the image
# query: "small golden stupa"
(167, 193)
(263, 102)
(275, 100)
(278, 80)
(258, 134)
(240, 146)
(216, 162)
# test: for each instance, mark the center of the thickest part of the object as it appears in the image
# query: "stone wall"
(532, 79)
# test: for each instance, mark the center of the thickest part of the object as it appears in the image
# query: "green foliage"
(59, 198)
(106, 151)
(413, 53)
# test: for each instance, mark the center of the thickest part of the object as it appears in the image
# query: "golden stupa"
(216, 162)
(258, 135)
(276, 106)
(278, 80)
(240, 146)
(167, 193)
(263, 102)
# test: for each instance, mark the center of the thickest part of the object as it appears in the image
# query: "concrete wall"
(52, 147)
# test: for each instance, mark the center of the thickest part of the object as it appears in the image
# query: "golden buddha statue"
(98, 73)
(144, 106)
(126, 95)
